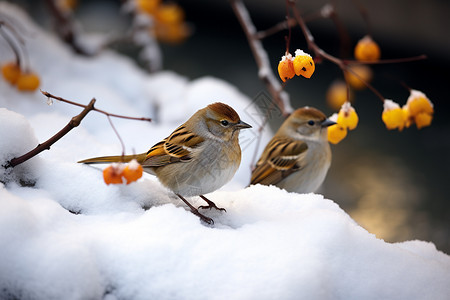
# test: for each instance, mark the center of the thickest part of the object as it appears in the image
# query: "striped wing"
(281, 158)
(175, 148)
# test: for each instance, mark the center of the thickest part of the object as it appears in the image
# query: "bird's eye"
(224, 123)
(310, 122)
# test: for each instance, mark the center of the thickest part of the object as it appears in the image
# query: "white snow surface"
(138, 241)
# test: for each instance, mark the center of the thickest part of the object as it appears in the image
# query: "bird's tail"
(119, 158)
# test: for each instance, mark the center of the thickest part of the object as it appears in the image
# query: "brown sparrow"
(298, 156)
(199, 157)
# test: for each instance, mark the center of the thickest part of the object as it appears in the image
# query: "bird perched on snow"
(298, 156)
(199, 157)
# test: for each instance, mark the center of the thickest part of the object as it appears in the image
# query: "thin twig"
(117, 134)
(10, 42)
(47, 94)
(343, 64)
(74, 122)
(66, 29)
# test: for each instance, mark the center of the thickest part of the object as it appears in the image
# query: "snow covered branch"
(265, 73)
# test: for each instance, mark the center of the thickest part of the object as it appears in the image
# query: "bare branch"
(74, 122)
(93, 108)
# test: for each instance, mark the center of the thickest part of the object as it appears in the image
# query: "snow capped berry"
(28, 81)
(347, 117)
(367, 50)
(113, 173)
(393, 115)
(303, 64)
(418, 102)
(132, 171)
(419, 109)
(357, 75)
(336, 132)
(286, 67)
(337, 94)
(11, 72)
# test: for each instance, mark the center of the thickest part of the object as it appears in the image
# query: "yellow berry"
(337, 94)
(363, 73)
(393, 115)
(423, 120)
(113, 174)
(286, 68)
(11, 72)
(418, 102)
(367, 50)
(336, 133)
(132, 171)
(347, 116)
(303, 64)
(147, 6)
(408, 118)
(28, 81)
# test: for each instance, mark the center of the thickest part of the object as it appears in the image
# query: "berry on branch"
(367, 50)
(286, 67)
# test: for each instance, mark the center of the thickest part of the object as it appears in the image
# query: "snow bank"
(64, 234)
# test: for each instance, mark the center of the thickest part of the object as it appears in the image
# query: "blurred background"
(394, 184)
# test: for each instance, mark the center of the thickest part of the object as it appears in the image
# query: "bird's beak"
(242, 125)
(327, 122)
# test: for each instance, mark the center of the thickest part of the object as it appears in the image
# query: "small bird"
(199, 157)
(298, 156)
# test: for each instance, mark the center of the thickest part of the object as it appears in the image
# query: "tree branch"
(265, 73)
(74, 122)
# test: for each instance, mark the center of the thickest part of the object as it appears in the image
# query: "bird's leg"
(210, 204)
(195, 211)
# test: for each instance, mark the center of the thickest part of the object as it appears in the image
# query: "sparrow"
(298, 157)
(199, 157)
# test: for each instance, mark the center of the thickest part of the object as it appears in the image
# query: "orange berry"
(28, 81)
(11, 72)
(169, 13)
(393, 115)
(113, 174)
(171, 33)
(362, 73)
(67, 5)
(347, 117)
(147, 6)
(303, 64)
(132, 171)
(367, 50)
(286, 67)
(337, 94)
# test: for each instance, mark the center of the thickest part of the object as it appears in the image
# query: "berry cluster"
(169, 25)
(418, 109)
(301, 65)
(346, 119)
(23, 80)
(119, 173)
